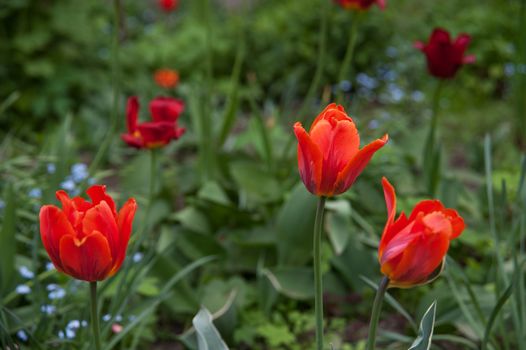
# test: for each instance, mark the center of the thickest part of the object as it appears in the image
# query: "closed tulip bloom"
(166, 78)
(412, 250)
(161, 130)
(87, 240)
(360, 4)
(445, 56)
(329, 157)
(168, 5)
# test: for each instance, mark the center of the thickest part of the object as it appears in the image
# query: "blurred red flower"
(87, 240)
(168, 5)
(329, 158)
(360, 4)
(161, 130)
(166, 78)
(412, 250)
(444, 56)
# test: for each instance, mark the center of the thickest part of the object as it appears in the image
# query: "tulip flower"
(168, 5)
(166, 78)
(360, 4)
(87, 240)
(445, 56)
(413, 249)
(329, 157)
(161, 130)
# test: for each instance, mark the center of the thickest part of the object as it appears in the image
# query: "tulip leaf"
(208, 337)
(7, 241)
(425, 332)
(294, 227)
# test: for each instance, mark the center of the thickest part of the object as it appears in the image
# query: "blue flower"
(68, 184)
(137, 257)
(26, 273)
(35, 193)
(51, 168)
(23, 289)
(48, 309)
(79, 172)
(22, 335)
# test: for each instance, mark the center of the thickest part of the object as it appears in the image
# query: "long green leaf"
(8, 242)
(208, 337)
(425, 333)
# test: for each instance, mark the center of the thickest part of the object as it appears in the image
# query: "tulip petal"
(124, 221)
(157, 134)
(309, 160)
(53, 226)
(461, 43)
(349, 174)
(166, 109)
(101, 219)
(97, 194)
(469, 59)
(392, 227)
(440, 35)
(332, 111)
(89, 259)
(132, 114)
(457, 223)
(426, 207)
(133, 141)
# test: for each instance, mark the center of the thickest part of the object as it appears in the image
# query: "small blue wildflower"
(52, 286)
(70, 333)
(132, 318)
(2, 204)
(366, 81)
(84, 323)
(58, 293)
(35, 193)
(395, 92)
(26, 273)
(49, 266)
(118, 318)
(79, 172)
(61, 334)
(374, 124)
(391, 51)
(137, 257)
(22, 335)
(23, 289)
(345, 85)
(48, 309)
(106, 318)
(73, 324)
(417, 96)
(51, 168)
(68, 184)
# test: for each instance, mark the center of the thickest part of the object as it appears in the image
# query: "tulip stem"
(431, 157)
(318, 281)
(347, 60)
(375, 314)
(94, 315)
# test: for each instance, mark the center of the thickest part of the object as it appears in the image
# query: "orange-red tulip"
(360, 4)
(329, 157)
(413, 249)
(87, 240)
(166, 78)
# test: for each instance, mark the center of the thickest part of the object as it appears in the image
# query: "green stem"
(375, 315)
(115, 79)
(94, 315)
(430, 149)
(318, 281)
(349, 53)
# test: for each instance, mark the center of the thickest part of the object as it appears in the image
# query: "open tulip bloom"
(445, 56)
(329, 156)
(87, 240)
(412, 249)
(360, 4)
(165, 112)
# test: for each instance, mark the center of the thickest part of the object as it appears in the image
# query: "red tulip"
(166, 78)
(412, 249)
(329, 158)
(165, 111)
(444, 56)
(168, 5)
(86, 240)
(360, 4)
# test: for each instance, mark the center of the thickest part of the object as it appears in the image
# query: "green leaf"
(7, 241)
(294, 282)
(208, 337)
(294, 226)
(425, 332)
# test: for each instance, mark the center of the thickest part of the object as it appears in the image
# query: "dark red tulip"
(360, 4)
(168, 5)
(161, 130)
(445, 56)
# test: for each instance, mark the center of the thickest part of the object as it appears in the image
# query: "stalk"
(318, 282)
(94, 315)
(375, 315)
